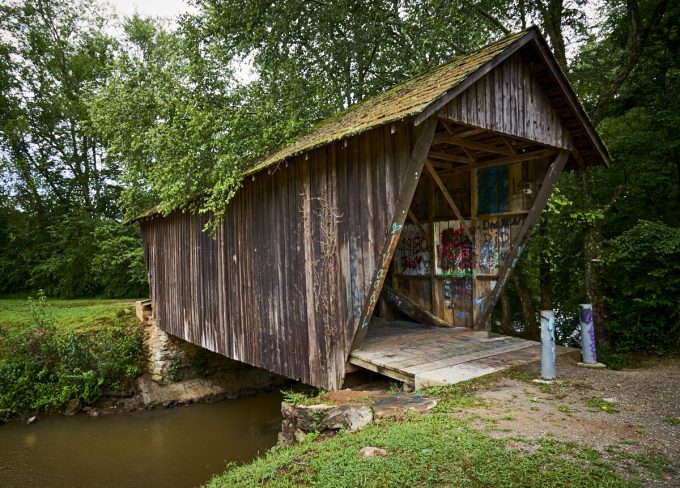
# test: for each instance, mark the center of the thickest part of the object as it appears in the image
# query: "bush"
(42, 368)
(643, 281)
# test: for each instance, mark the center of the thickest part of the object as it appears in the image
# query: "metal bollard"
(588, 351)
(547, 344)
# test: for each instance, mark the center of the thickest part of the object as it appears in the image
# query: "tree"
(57, 186)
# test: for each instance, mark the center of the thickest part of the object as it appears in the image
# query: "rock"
(31, 420)
(369, 452)
(93, 413)
(348, 417)
(73, 407)
(309, 417)
(398, 404)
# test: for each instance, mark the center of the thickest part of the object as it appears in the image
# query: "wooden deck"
(424, 355)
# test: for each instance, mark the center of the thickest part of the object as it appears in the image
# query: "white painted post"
(588, 351)
(547, 345)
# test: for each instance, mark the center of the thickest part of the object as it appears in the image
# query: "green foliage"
(643, 271)
(43, 366)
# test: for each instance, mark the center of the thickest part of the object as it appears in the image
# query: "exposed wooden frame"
(479, 146)
(408, 189)
(448, 198)
(517, 246)
(541, 153)
(448, 157)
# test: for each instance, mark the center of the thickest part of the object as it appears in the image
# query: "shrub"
(42, 368)
(643, 280)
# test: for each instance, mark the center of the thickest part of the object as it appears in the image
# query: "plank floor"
(422, 355)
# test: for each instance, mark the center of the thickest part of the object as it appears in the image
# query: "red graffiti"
(455, 251)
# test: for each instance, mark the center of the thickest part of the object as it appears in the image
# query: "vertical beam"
(448, 198)
(433, 250)
(408, 189)
(475, 258)
(516, 248)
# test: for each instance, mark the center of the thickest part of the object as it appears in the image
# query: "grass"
(68, 315)
(601, 405)
(673, 421)
(430, 450)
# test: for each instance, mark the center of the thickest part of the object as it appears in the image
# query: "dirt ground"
(647, 401)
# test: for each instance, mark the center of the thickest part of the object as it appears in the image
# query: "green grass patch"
(674, 421)
(457, 397)
(601, 405)
(429, 450)
(65, 314)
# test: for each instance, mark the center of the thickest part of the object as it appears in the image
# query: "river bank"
(591, 428)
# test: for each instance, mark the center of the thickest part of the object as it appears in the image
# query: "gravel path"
(647, 400)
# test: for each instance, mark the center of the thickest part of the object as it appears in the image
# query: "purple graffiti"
(586, 315)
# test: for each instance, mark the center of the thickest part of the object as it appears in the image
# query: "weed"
(671, 421)
(305, 396)
(563, 408)
(601, 405)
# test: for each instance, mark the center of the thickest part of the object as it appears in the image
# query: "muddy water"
(180, 447)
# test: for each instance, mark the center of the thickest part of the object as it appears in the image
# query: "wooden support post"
(433, 249)
(516, 248)
(475, 258)
(408, 189)
(448, 198)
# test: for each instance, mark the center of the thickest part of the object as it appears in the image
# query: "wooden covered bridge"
(415, 203)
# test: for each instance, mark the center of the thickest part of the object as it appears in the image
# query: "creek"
(177, 447)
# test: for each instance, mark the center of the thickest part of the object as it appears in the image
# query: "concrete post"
(547, 345)
(588, 351)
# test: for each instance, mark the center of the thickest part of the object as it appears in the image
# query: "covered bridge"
(417, 201)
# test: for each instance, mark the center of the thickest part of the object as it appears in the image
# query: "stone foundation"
(179, 371)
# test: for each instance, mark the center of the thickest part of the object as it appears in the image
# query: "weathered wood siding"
(510, 100)
(283, 284)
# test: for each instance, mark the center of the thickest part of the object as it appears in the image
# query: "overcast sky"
(163, 8)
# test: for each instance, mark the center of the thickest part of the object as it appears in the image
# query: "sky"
(162, 8)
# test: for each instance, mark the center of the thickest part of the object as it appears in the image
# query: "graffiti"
(588, 349)
(455, 252)
(413, 255)
(500, 223)
(489, 255)
(449, 291)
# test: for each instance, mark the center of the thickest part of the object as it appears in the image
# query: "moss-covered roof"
(400, 102)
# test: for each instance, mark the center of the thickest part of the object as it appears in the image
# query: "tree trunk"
(544, 272)
(532, 328)
(506, 317)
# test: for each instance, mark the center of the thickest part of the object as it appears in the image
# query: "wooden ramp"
(425, 355)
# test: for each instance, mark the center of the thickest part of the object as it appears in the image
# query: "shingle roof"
(400, 102)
